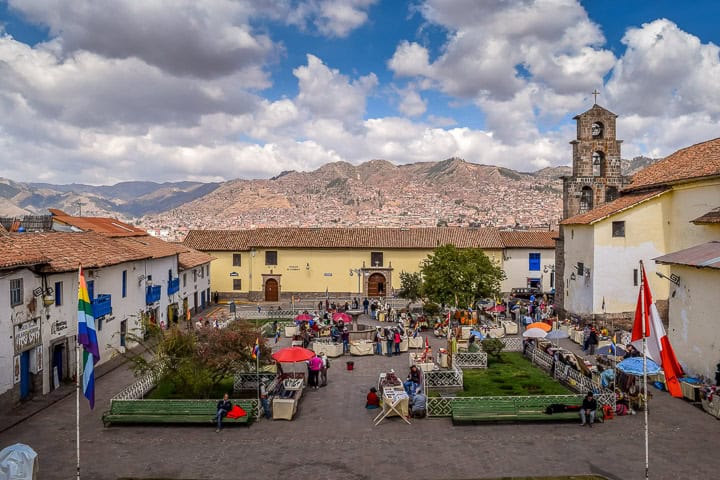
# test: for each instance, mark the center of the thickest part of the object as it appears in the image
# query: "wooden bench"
(520, 409)
(172, 411)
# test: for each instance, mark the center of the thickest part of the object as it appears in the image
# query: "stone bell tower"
(596, 177)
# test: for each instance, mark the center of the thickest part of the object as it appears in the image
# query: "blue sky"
(212, 90)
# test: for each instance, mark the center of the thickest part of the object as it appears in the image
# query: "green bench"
(513, 410)
(172, 411)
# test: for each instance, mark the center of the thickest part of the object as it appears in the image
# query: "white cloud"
(411, 103)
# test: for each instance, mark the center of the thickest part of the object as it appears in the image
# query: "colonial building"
(596, 176)
(660, 212)
(273, 263)
(694, 305)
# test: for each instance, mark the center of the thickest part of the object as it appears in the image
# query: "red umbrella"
(293, 354)
(496, 309)
(304, 317)
(342, 316)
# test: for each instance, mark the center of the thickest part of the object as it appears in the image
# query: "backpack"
(327, 362)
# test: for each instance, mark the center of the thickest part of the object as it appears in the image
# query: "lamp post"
(358, 272)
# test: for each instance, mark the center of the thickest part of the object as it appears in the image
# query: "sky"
(98, 92)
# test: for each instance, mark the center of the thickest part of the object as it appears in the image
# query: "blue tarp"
(634, 366)
(477, 334)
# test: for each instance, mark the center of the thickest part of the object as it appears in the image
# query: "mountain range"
(377, 192)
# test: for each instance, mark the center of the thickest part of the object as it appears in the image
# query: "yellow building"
(656, 214)
(273, 263)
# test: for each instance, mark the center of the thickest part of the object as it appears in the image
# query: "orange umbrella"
(544, 326)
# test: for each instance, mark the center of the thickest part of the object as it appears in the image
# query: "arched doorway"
(376, 285)
(271, 290)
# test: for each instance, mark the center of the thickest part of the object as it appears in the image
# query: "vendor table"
(424, 361)
(332, 350)
(291, 330)
(510, 327)
(395, 403)
(362, 348)
(498, 332)
(416, 342)
(285, 408)
(403, 346)
(577, 336)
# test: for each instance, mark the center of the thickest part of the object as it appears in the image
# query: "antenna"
(79, 204)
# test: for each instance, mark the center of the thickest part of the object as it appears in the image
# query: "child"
(373, 401)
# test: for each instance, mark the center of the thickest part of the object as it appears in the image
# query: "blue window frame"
(124, 283)
(58, 293)
(534, 262)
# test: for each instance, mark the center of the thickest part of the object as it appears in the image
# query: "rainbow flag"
(613, 343)
(87, 337)
(256, 349)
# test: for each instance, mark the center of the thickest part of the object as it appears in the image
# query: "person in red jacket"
(373, 401)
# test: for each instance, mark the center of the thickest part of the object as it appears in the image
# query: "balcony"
(101, 306)
(152, 294)
(173, 286)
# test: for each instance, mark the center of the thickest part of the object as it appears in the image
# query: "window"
(194, 276)
(618, 229)
(124, 284)
(207, 270)
(271, 257)
(237, 260)
(58, 293)
(586, 199)
(170, 274)
(580, 268)
(16, 292)
(552, 279)
(237, 284)
(376, 259)
(184, 279)
(534, 262)
(635, 277)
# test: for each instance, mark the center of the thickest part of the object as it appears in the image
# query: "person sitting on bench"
(223, 407)
(587, 411)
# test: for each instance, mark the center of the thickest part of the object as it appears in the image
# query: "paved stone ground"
(333, 437)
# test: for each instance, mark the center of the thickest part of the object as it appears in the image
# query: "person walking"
(592, 341)
(324, 369)
(397, 338)
(345, 340)
(264, 400)
(223, 407)
(389, 340)
(366, 304)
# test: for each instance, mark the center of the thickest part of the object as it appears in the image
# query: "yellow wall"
(328, 268)
(690, 202)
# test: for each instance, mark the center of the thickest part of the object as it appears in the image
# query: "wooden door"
(376, 285)
(271, 290)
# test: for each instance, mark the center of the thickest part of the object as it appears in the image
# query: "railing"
(470, 360)
(249, 381)
(101, 305)
(442, 406)
(138, 389)
(152, 294)
(512, 344)
(444, 379)
(173, 286)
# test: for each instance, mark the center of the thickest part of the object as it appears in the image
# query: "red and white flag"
(658, 344)
(427, 344)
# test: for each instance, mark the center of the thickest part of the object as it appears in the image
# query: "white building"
(529, 260)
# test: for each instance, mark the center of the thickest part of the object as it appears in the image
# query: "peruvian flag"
(427, 344)
(658, 344)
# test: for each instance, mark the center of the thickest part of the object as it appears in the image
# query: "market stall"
(289, 390)
(329, 348)
(362, 347)
(395, 401)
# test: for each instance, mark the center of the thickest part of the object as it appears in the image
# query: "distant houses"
(130, 276)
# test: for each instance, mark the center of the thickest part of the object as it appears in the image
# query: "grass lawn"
(512, 374)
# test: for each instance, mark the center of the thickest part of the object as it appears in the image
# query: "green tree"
(460, 276)
(411, 285)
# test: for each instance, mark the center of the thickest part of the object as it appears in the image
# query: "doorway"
(271, 290)
(376, 285)
(58, 362)
(24, 374)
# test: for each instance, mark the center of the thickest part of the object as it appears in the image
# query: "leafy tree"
(460, 276)
(493, 346)
(411, 285)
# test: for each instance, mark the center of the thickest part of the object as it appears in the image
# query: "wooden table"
(395, 403)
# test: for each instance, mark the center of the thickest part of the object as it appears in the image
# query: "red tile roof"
(65, 251)
(713, 216)
(706, 255)
(107, 226)
(622, 203)
(529, 239)
(149, 246)
(192, 258)
(13, 255)
(401, 238)
(691, 163)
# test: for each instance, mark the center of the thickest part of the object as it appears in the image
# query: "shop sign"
(58, 327)
(293, 268)
(328, 274)
(27, 335)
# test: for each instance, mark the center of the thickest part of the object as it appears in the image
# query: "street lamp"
(358, 272)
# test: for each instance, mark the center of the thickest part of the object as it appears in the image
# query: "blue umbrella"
(557, 335)
(477, 334)
(634, 366)
(608, 350)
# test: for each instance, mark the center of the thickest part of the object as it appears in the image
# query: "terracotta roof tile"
(65, 251)
(713, 216)
(624, 202)
(706, 255)
(697, 161)
(149, 246)
(192, 258)
(107, 226)
(13, 255)
(529, 239)
(238, 240)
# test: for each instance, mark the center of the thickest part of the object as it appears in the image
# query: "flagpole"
(77, 392)
(644, 346)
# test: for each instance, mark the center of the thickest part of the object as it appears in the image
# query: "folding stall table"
(395, 403)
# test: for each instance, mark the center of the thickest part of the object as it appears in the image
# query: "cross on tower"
(595, 94)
